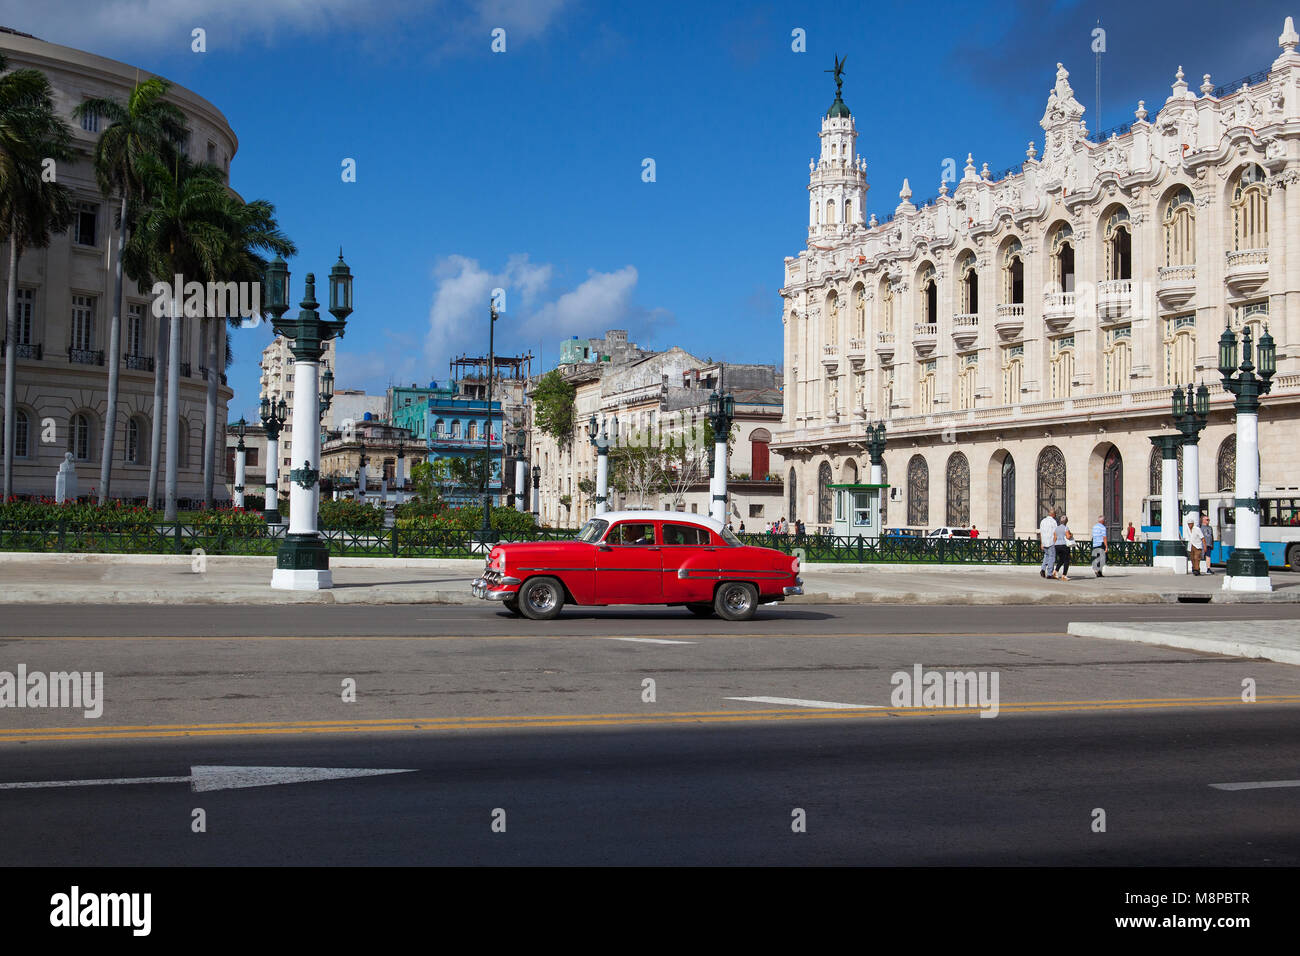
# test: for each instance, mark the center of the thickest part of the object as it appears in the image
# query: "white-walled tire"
(736, 600)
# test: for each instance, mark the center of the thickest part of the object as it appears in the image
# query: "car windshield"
(730, 537)
(593, 530)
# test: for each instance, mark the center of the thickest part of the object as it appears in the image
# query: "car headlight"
(501, 561)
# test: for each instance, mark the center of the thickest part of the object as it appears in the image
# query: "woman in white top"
(1064, 540)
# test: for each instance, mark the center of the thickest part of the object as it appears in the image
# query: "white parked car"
(946, 532)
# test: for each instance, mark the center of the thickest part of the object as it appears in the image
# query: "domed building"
(1021, 333)
(65, 308)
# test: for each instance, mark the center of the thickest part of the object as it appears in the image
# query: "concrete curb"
(1232, 648)
(235, 560)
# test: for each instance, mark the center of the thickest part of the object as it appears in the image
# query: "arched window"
(132, 451)
(1117, 358)
(1180, 229)
(21, 430)
(958, 491)
(439, 427)
(1226, 466)
(929, 296)
(1250, 210)
(1119, 245)
(886, 305)
(1157, 471)
(918, 492)
(824, 493)
(793, 495)
(859, 311)
(1063, 257)
(830, 212)
(850, 472)
(1013, 274)
(471, 431)
(1180, 349)
(79, 437)
(1051, 480)
(832, 314)
(968, 275)
(1062, 366)
(926, 380)
(183, 444)
(455, 428)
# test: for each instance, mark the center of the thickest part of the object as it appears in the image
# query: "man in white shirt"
(1047, 538)
(1195, 544)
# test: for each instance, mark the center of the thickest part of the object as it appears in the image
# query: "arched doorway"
(1112, 494)
(1008, 529)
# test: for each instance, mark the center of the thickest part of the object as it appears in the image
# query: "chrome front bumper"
(490, 590)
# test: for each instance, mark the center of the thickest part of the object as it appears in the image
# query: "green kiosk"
(857, 510)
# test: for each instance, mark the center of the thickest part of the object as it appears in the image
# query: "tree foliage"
(553, 406)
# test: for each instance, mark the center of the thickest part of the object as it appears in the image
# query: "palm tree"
(179, 228)
(144, 126)
(33, 139)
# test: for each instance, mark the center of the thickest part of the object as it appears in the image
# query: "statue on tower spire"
(838, 109)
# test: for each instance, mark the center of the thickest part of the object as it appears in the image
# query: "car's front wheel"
(541, 598)
(700, 610)
(736, 601)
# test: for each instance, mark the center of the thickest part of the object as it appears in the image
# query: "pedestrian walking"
(1207, 531)
(1047, 538)
(1131, 532)
(742, 527)
(1195, 544)
(1099, 546)
(1064, 538)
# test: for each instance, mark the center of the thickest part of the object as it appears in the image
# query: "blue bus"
(1279, 524)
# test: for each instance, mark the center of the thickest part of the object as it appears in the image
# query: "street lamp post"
(521, 471)
(1247, 566)
(722, 411)
(601, 438)
(361, 473)
(1191, 415)
(303, 560)
(876, 449)
(241, 461)
(1169, 549)
(537, 494)
(274, 415)
(485, 533)
(399, 479)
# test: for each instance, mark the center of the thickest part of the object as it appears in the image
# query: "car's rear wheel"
(541, 598)
(700, 610)
(736, 601)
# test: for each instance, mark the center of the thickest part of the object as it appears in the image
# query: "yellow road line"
(513, 637)
(394, 725)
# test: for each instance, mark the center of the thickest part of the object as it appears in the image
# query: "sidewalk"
(167, 579)
(1266, 640)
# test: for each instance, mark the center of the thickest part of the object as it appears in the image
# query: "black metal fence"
(899, 550)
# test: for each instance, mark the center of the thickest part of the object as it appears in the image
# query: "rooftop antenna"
(1098, 47)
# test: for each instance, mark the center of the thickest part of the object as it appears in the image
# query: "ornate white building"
(1021, 333)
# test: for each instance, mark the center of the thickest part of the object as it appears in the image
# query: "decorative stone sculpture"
(65, 482)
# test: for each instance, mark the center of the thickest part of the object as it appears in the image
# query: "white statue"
(65, 482)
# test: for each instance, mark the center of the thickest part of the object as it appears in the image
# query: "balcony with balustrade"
(857, 349)
(25, 351)
(1059, 310)
(885, 345)
(925, 336)
(1176, 285)
(86, 356)
(830, 355)
(965, 329)
(1246, 271)
(1010, 319)
(1114, 299)
(138, 363)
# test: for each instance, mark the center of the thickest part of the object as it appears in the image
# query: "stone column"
(241, 459)
(1246, 493)
(1170, 550)
(521, 485)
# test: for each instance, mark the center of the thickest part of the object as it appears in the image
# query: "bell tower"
(837, 181)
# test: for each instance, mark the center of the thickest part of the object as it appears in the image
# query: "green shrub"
(229, 521)
(77, 516)
(349, 515)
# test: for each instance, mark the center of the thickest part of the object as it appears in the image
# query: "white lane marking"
(202, 779)
(796, 702)
(647, 640)
(1256, 785)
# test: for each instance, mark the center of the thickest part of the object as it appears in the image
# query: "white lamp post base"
(286, 579)
(1176, 563)
(1242, 583)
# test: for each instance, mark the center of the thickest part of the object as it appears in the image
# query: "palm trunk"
(173, 410)
(155, 434)
(11, 348)
(114, 365)
(210, 414)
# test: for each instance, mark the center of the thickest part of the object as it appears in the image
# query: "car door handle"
(652, 548)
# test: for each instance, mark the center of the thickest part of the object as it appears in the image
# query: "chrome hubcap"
(541, 598)
(736, 599)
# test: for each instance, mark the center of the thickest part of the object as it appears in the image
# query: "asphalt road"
(553, 724)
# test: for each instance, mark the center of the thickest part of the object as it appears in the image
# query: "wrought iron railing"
(86, 356)
(902, 550)
(24, 351)
(139, 363)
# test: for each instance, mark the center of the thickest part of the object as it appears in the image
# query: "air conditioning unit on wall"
(895, 494)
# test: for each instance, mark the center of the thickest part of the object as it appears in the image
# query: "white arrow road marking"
(796, 702)
(1256, 785)
(202, 779)
(647, 640)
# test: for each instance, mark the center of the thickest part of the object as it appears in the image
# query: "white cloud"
(594, 306)
(95, 25)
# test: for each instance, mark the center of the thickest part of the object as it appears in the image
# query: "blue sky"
(523, 169)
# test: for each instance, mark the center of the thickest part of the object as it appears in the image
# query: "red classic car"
(640, 557)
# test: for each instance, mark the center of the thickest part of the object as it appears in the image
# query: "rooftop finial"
(1289, 38)
(838, 109)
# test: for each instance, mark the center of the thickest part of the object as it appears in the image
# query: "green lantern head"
(1227, 352)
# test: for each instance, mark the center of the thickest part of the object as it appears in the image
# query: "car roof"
(677, 516)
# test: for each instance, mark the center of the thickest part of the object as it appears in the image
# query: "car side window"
(685, 534)
(632, 533)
